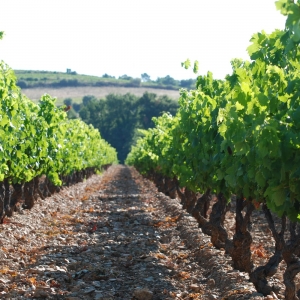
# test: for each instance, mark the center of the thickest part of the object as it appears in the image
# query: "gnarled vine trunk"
(29, 194)
(200, 210)
(259, 275)
(170, 187)
(239, 249)
(16, 197)
(191, 200)
(219, 235)
(291, 253)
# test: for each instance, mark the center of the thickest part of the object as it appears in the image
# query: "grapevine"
(238, 138)
(38, 140)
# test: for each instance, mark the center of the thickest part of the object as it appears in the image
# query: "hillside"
(33, 79)
(72, 85)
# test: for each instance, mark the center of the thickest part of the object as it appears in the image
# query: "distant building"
(69, 71)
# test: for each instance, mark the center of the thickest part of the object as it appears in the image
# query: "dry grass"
(76, 93)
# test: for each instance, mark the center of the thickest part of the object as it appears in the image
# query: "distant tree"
(1, 35)
(84, 114)
(145, 77)
(167, 80)
(188, 83)
(115, 117)
(68, 101)
(136, 82)
(77, 106)
(150, 106)
(107, 76)
(66, 82)
(88, 98)
(22, 84)
(125, 77)
(118, 116)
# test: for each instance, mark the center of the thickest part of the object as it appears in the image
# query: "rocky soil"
(115, 237)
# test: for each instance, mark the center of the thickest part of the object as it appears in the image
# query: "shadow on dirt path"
(114, 237)
(116, 250)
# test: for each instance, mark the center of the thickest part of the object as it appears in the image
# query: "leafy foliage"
(238, 135)
(119, 116)
(38, 138)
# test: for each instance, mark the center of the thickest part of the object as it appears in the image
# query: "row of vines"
(239, 136)
(37, 141)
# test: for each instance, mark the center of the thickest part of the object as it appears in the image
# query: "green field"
(34, 79)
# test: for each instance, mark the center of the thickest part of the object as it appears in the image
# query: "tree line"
(34, 79)
(118, 117)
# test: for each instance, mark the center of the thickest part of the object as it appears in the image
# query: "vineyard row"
(239, 136)
(38, 141)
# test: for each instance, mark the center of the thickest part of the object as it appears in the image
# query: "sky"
(132, 37)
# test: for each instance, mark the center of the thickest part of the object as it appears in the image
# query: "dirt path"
(113, 237)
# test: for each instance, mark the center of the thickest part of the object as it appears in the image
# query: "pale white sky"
(132, 36)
